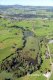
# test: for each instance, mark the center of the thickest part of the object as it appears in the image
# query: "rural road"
(48, 78)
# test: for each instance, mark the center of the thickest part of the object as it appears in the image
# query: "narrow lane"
(50, 62)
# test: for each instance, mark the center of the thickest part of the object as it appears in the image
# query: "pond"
(50, 41)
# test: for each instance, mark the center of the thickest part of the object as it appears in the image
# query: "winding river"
(26, 33)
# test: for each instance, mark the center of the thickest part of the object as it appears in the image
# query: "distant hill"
(26, 7)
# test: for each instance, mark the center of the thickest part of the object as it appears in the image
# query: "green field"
(23, 46)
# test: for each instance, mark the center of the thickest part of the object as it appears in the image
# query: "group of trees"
(21, 65)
